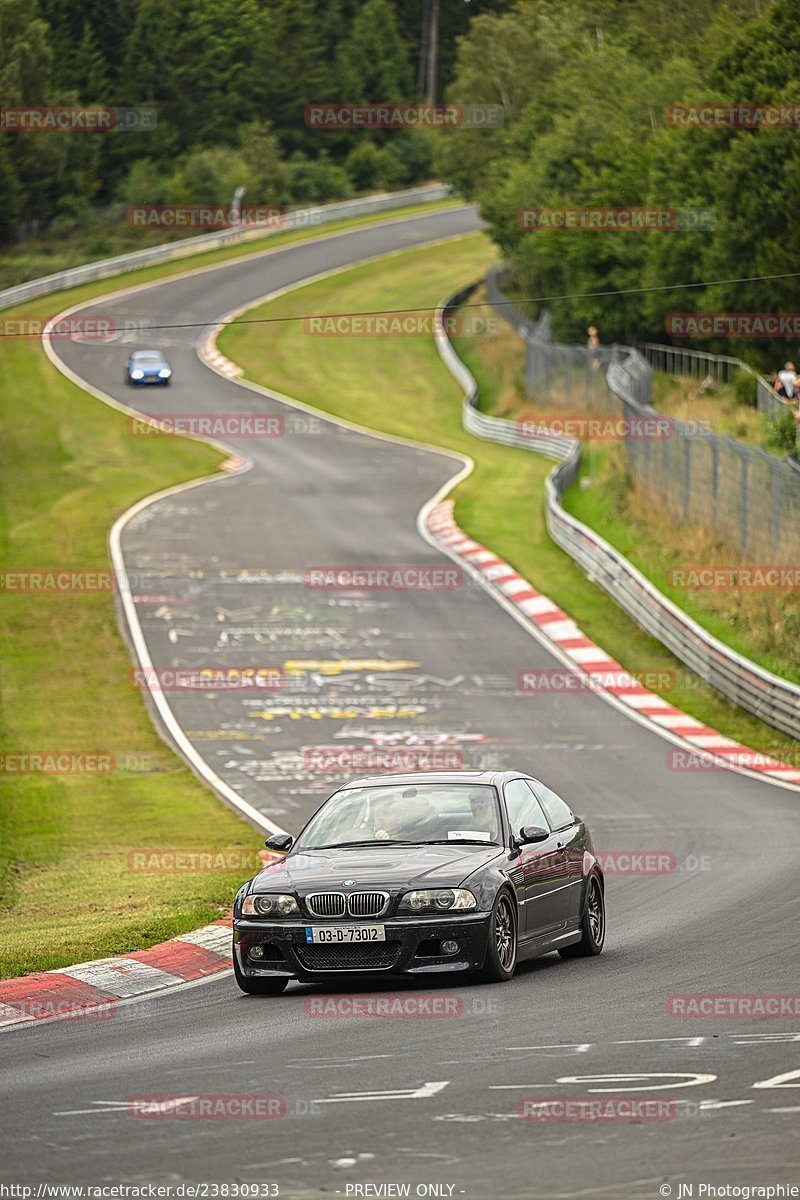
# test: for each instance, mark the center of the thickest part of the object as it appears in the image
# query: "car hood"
(392, 867)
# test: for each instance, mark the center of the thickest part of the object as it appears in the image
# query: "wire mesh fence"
(748, 498)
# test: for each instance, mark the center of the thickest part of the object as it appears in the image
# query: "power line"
(399, 312)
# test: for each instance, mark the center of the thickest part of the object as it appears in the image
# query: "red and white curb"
(208, 351)
(590, 659)
(91, 989)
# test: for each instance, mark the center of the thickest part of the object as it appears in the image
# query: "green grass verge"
(67, 892)
(762, 625)
(398, 385)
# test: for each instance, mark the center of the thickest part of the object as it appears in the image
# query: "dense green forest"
(230, 80)
(585, 87)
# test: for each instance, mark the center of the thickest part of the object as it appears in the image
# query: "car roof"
(493, 778)
(147, 354)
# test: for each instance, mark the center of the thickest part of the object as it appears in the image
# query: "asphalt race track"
(219, 573)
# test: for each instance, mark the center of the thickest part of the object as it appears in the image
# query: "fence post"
(775, 471)
(665, 448)
(743, 499)
(714, 473)
(687, 474)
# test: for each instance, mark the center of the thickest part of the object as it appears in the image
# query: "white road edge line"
(159, 698)
(35, 1022)
(468, 465)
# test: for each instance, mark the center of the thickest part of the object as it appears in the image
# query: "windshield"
(407, 815)
(147, 355)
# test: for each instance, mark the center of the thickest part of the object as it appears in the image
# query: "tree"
(373, 64)
(89, 74)
(290, 69)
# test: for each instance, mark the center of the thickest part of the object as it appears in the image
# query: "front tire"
(593, 923)
(255, 985)
(501, 954)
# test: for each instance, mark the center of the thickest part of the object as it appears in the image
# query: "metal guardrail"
(491, 429)
(696, 364)
(740, 492)
(299, 219)
(773, 700)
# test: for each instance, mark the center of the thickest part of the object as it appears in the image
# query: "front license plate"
(345, 933)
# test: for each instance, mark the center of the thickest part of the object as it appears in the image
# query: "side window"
(522, 806)
(559, 814)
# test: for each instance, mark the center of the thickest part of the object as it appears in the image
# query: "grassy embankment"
(398, 385)
(763, 625)
(69, 468)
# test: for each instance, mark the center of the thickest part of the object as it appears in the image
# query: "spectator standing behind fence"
(788, 377)
(777, 386)
(593, 344)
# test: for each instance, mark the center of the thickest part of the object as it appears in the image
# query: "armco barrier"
(767, 696)
(300, 219)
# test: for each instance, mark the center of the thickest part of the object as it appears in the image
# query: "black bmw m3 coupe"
(465, 873)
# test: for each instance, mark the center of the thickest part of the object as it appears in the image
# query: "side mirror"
(531, 833)
(279, 842)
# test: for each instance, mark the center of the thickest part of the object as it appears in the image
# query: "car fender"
(486, 882)
(591, 866)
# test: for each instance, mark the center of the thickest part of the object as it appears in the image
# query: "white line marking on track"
(423, 1092)
(780, 1081)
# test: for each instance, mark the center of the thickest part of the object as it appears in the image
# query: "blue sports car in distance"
(147, 366)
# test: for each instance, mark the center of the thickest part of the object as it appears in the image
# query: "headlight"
(164, 373)
(137, 374)
(433, 900)
(269, 906)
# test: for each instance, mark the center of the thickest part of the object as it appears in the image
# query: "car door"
(538, 868)
(569, 835)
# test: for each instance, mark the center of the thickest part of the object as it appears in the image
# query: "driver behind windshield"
(408, 817)
(484, 812)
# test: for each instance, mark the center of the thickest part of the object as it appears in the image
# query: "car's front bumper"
(410, 949)
(149, 379)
